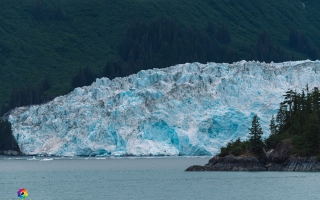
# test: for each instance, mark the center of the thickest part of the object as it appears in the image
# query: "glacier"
(188, 109)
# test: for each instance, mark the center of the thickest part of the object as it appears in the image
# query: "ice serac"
(187, 109)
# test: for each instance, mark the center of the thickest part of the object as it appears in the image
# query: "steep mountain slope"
(57, 38)
(189, 109)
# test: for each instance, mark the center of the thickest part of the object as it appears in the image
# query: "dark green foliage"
(273, 140)
(273, 127)
(115, 69)
(267, 52)
(46, 84)
(7, 141)
(299, 118)
(84, 77)
(42, 11)
(33, 94)
(281, 117)
(165, 42)
(256, 143)
(301, 43)
(223, 35)
(236, 148)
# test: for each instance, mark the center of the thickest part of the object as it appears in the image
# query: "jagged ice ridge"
(187, 109)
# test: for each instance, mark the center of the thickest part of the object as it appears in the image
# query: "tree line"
(85, 76)
(7, 141)
(298, 119)
(301, 43)
(41, 11)
(255, 145)
(30, 95)
(164, 43)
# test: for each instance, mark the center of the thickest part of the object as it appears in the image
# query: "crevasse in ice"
(186, 109)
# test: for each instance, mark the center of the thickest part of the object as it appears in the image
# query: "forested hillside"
(297, 122)
(298, 118)
(68, 43)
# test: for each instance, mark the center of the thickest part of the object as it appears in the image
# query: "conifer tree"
(256, 143)
(281, 117)
(7, 141)
(273, 126)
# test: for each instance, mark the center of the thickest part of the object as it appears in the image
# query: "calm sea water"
(146, 178)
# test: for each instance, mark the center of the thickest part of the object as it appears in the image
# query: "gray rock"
(303, 164)
(10, 153)
(231, 163)
(251, 163)
(278, 159)
(282, 152)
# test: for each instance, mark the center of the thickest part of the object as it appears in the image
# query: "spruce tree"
(281, 117)
(7, 141)
(273, 126)
(256, 143)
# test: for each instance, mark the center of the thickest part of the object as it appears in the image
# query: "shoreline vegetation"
(293, 144)
(8, 144)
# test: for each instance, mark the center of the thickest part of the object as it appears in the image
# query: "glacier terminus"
(188, 109)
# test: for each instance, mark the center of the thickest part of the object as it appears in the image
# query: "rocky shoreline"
(278, 159)
(251, 163)
(10, 153)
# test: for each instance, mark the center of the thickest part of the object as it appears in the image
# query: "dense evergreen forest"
(24, 96)
(73, 42)
(298, 119)
(7, 141)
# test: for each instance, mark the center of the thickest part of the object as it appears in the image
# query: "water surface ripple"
(145, 178)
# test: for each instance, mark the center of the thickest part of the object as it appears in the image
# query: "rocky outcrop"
(251, 163)
(281, 153)
(9, 153)
(230, 163)
(298, 164)
(278, 159)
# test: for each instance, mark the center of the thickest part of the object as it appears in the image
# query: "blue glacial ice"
(186, 109)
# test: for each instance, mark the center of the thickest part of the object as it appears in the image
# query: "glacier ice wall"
(187, 109)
